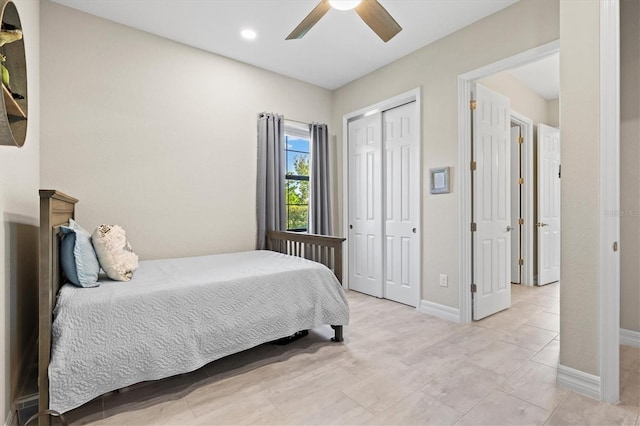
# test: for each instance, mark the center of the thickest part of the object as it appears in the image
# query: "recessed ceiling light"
(248, 34)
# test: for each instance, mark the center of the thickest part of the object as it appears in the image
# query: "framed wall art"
(440, 180)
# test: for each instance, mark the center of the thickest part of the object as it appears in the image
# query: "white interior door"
(491, 203)
(401, 204)
(365, 205)
(516, 205)
(548, 204)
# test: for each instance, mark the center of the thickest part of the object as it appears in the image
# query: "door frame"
(528, 268)
(609, 274)
(379, 107)
(465, 82)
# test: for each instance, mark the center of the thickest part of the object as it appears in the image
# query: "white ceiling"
(338, 49)
(543, 76)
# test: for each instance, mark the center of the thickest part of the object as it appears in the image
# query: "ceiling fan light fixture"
(370, 11)
(344, 4)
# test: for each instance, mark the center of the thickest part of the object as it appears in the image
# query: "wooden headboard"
(56, 209)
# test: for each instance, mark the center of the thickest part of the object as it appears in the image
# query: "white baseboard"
(630, 338)
(579, 381)
(440, 311)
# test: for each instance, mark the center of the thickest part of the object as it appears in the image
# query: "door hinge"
(473, 166)
(521, 221)
(474, 288)
(473, 227)
(472, 105)
(520, 139)
(520, 262)
(521, 181)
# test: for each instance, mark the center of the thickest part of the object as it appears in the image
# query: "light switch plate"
(444, 280)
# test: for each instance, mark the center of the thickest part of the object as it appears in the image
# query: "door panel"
(365, 205)
(548, 225)
(492, 203)
(401, 199)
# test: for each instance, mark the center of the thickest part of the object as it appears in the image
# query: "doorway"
(523, 187)
(382, 199)
(517, 215)
(606, 385)
(517, 219)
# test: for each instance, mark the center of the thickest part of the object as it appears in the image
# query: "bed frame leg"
(338, 333)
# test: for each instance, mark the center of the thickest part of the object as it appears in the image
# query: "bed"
(175, 315)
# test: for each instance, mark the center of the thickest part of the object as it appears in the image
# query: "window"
(297, 182)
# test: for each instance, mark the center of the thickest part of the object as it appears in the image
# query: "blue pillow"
(77, 257)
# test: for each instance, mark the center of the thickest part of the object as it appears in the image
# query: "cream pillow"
(114, 252)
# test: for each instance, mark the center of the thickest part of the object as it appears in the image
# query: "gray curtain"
(270, 202)
(320, 200)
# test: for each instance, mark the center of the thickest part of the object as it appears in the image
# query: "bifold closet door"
(365, 205)
(384, 197)
(401, 203)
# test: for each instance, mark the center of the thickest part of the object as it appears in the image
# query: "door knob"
(509, 229)
(541, 224)
(350, 226)
(414, 230)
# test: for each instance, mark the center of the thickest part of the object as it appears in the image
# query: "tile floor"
(396, 367)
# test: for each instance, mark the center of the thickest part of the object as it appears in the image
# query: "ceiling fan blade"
(310, 20)
(378, 19)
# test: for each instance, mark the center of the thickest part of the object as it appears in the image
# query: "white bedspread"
(177, 315)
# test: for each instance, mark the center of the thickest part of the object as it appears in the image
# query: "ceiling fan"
(371, 12)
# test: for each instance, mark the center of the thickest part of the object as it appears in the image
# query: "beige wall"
(523, 100)
(579, 109)
(553, 109)
(19, 182)
(630, 165)
(157, 136)
(435, 69)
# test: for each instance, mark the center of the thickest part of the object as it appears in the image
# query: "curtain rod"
(295, 121)
(262, 114)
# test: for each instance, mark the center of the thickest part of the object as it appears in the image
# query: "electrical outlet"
(444, 280)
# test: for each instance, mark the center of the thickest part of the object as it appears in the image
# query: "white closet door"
(491, 203)
(401, 204)
(365, 205)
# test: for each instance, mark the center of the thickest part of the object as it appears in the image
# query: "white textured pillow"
(114, 252)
